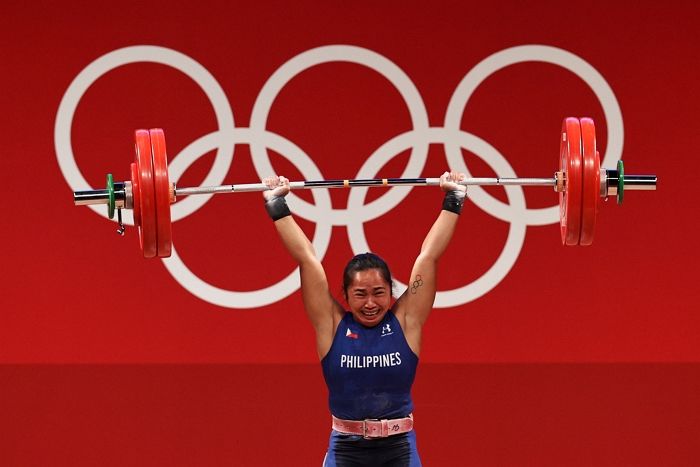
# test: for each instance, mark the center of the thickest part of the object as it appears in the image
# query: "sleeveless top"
(369, 371)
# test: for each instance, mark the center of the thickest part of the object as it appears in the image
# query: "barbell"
(580, 182)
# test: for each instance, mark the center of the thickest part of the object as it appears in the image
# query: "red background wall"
(588, 350)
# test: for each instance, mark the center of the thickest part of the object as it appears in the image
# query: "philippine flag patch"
(351, 334)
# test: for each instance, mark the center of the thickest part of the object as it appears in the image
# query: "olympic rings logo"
(357, 213)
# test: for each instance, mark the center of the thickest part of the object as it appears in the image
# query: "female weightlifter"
(369, 354)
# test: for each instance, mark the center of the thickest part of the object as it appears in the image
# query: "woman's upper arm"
(321, 308)
(416, 303)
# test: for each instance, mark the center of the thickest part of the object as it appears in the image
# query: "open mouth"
(370, 314)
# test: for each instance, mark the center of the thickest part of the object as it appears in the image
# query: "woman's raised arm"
(415, 304)
(321, 308)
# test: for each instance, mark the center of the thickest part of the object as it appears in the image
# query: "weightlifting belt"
(374, 428)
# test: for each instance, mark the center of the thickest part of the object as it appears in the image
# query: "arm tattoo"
(417, 282)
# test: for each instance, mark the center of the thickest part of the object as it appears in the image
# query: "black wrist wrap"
(454, 200)
(277, 208)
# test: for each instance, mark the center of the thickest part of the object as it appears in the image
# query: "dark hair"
(363, 262)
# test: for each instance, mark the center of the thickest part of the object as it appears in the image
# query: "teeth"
(370, 313)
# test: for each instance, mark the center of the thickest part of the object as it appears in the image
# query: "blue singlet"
(369, 371)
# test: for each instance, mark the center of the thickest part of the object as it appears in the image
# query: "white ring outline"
(516, 233)
(356, 55)
(137, 54)
(521, 54)
(288, 285)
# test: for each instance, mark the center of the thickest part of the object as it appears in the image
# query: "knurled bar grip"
(369, 182)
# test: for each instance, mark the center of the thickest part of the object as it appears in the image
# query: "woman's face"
(369, 297)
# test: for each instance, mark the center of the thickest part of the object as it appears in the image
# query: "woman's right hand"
(449, 181)
(279, 187)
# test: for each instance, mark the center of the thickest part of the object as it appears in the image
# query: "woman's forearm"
(295, 240)
(439, 236)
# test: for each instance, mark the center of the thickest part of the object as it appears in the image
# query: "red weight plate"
(162, 190)
(591, 182)
(570, 198)
(135, 194)
(144, 164)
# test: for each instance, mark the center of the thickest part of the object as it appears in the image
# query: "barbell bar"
(580, 182)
